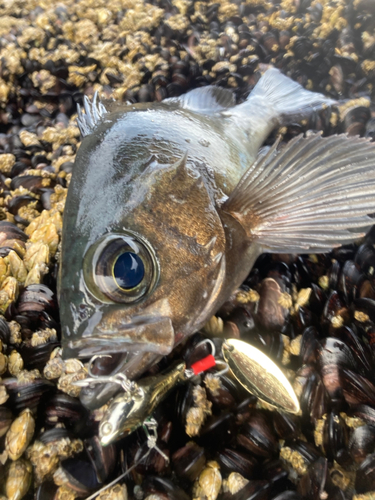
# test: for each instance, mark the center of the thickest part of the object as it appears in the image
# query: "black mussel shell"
(287, 495)
(189, 461)
(80, 476)
(333, 275)
(317, 483)
(310, 345)
(254, 490)
(334, 351)
(314, 398)
(357, 389)
(18, 202)
(218, 431)
(276, 473)
(46, 491)
(335, 435)
(361, 350)
(365, 259)
(245, 408)
(257, 435)
(362, 442)
(270, 314)
(6, 418)
(154, 462)
(33, 183)
(154, 484)
(26, 395)
(36, 357)
(65, 409)
(35, 299)
(365, 477)
(286, 425)
(4, 330)
(18, 168)
(365, 412)
(370, 129)
(355, 121)
(239, 324)
(11, 237)
(102, 458)
(55, 434)
(335, 306)
(350, 280)
(307, 450)
(9, 231)
(233, 460)
(366, 306)
(228, 396)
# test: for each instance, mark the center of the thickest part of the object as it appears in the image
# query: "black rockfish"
(170, 205)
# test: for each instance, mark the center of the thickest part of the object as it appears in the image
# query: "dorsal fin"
(94, 112)
(205, 100)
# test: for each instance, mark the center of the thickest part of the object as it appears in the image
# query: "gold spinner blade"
(260, 375)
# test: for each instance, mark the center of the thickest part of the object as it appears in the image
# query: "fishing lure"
(132, 407)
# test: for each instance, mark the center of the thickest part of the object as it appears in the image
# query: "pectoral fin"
(313, 195)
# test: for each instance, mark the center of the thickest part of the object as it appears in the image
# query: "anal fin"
(313, 195)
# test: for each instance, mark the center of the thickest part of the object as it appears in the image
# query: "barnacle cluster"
(314, 315)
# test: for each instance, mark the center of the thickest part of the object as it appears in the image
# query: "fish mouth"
(143, 334)
(132, 365)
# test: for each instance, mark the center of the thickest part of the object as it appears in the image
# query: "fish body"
(170, 204)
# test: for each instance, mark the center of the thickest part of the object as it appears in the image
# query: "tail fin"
(275, 100)
(288, 100)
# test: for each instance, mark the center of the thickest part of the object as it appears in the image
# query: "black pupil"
(128, 270)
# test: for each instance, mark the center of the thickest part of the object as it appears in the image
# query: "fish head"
(143, 253)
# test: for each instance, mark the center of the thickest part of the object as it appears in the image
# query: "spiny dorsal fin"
(180, 166)
(94, 112)
(308, 196)
(205, 100)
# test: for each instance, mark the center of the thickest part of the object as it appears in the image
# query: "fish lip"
(154, 336)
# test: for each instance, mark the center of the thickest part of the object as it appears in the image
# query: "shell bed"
(313, 315)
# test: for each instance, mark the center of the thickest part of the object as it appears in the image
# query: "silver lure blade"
(260, 375)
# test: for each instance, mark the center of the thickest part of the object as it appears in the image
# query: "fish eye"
(128, 270)
(120, 268)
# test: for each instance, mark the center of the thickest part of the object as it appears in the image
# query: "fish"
(171, 203)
